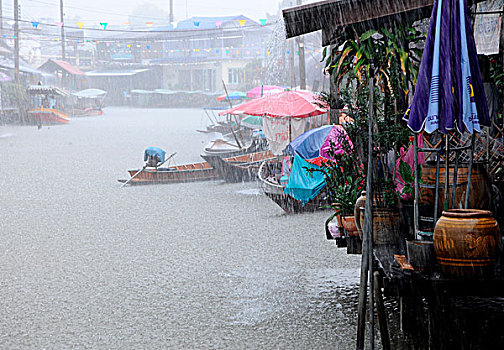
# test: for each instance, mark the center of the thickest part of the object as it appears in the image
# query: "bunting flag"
(35, 24)
(263, 21)
(148, 47)
(242, 22)
(104, 25)
(218, 23)
(196, 23)
(80, 24)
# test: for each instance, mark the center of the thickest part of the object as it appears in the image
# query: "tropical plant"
(394, 54)
(345, 195)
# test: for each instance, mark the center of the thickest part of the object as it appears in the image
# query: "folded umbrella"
(449, 92)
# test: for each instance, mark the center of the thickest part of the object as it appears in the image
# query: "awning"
(45, 90)
(89, 93)
(115, 73)
(332, 16)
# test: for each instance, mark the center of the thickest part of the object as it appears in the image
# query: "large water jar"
(467, 243)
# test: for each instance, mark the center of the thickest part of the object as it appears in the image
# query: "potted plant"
(345, 196)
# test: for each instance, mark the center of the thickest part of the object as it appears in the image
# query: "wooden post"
(302, 65)
(16, 41)
(171, 12)
(1, 18)
(291, 64)
(380, 308)
(469, 174)
(62, 20)
(333, 92)
(367, 244)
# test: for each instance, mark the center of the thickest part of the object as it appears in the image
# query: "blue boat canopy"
(154, 152)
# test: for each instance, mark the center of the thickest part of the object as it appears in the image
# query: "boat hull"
(177, 174)
(276, 193)
(47, 116)
(239, 168)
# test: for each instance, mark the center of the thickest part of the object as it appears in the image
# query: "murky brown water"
(85, 264)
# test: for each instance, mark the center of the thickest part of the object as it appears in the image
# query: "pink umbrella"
(264, 90)
(295, 104)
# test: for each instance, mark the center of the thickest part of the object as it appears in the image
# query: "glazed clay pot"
(467, 242)
(479, 191)
(386, 225)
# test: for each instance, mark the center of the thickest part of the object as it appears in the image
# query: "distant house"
(67, 76)
(199, 54)
(119, 82)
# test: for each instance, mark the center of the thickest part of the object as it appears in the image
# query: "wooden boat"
(47, 116)
(269, 178)
(239, 168)
(88, 102)
(46, 105)
(174, 174)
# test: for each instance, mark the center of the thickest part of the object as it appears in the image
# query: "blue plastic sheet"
(303, 186)
(153, 152)
(308, 144)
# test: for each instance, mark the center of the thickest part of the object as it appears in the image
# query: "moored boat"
(88, 102)
(174, 174)
(239, 168)
(269, 175)
(47, 105)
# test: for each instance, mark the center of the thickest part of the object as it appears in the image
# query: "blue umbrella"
(449, 93)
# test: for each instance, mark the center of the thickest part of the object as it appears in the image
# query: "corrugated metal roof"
(46, 89)
(332, 16)
(68, 67)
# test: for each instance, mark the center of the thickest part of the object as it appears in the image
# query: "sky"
(117, 11)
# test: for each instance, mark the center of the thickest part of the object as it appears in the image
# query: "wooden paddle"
(145, 166)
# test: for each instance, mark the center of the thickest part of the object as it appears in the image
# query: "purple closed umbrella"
(449, 93)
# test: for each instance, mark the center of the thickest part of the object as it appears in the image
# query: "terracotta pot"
(348, 222)
(467, 242)
(479, 191)
(359, 204)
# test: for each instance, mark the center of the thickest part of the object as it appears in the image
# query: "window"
(235, 75)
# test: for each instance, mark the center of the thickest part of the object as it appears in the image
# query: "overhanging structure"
(337, 17)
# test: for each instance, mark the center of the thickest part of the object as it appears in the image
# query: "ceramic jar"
(467, 242)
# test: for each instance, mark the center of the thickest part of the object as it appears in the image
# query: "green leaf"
(324, 53)
(405, 172)
(368, 34)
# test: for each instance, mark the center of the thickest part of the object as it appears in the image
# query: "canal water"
(86, 264)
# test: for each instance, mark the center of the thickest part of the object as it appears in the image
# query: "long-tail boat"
(270, 181)
(241, 167)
